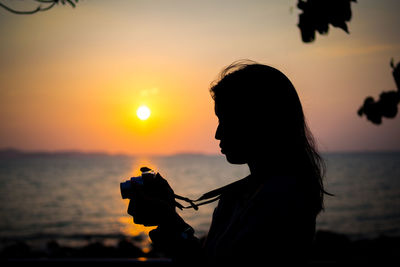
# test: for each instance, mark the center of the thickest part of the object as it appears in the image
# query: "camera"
(127, 186)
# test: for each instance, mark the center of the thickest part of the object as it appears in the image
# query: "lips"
(222, 149)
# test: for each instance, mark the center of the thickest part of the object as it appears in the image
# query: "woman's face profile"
(234, 136)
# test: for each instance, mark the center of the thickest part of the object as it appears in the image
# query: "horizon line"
(16, 151)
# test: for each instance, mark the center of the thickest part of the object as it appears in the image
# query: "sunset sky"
(73, 78)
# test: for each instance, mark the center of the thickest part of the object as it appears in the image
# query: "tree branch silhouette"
(48, 5)
(317, 15)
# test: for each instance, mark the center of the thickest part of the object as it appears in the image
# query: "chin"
(234, 159)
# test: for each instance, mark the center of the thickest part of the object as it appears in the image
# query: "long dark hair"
(271, 98)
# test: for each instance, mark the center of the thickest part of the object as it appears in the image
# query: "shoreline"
(329, 247)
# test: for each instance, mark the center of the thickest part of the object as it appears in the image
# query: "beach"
(328, 249)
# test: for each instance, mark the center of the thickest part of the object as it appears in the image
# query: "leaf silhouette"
(318, 14)
(386, 106)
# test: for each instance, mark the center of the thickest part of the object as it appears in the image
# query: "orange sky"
(72, 79)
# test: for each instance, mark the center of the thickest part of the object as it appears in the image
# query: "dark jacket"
(259, 222)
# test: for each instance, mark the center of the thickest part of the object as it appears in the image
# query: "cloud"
(149, 92)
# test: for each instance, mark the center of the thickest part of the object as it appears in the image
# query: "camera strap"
(210, 196)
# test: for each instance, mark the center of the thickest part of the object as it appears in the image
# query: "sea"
(74, 198)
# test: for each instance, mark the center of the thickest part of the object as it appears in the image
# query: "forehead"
(221, 109)
(230, 112)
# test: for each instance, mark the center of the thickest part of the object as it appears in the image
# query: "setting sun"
(143, 112)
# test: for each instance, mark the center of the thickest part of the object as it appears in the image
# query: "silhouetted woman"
(270, 215)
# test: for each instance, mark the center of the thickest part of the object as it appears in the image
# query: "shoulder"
(281, 184)
(279, 192)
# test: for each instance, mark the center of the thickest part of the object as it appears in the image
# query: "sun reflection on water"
(133, 230)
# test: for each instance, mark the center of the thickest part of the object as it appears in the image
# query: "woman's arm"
(176, 238)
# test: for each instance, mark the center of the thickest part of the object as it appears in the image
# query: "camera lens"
(125, 188)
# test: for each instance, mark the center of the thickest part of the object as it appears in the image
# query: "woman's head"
(261, 119)
(258, 111)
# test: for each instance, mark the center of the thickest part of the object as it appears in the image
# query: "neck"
(255, 167)
(271, 166)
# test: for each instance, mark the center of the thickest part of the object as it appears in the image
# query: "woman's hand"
(153, 203)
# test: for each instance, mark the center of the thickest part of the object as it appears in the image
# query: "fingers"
(149, 211)
(140, 213)
(132, 208)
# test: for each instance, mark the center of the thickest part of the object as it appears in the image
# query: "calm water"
(71, 198)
